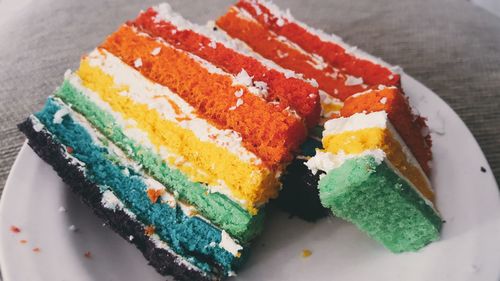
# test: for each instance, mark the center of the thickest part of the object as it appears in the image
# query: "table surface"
(452, 46)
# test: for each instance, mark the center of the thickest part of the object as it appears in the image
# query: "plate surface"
(467, 197)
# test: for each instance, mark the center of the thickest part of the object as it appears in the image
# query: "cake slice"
(374, 181)
(176, 148)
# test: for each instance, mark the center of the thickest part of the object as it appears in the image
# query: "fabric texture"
(451, 46)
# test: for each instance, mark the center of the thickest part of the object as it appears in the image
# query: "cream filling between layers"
(130, 129)
(109, 200)
(356, 122)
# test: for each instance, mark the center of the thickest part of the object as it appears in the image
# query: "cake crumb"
(483, 169)
(238, 93)
(88, 255)
(69, 149)
(138, 63)
(306, 253)
(37, 250)
(15, 229)
(23, 241)
(154, 194)
(149, 230)
(156, 51)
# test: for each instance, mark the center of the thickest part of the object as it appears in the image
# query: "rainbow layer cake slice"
(176, 139)
(373, 179)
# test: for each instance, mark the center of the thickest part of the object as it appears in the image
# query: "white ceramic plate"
(467, 198)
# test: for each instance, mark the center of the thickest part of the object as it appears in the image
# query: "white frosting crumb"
(383, 100)
(227, 243)
(353, 81)
(243, 79)
(314, 83)
(73, 228)
(110, 201)
(138, 63)
(238, 93)
(126, 172)
(154, 52)
(391, 77)
(212, 44)
(130, 238)
(58, 116)
(281, 54)
(280, 22)
(62, 209)
(239, 102)
(38, 127)
(261, 85)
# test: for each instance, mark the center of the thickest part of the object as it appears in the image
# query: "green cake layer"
(371, 195)
(215, 206)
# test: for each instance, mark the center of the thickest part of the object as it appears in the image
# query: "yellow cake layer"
(252, 183)
(355, 142)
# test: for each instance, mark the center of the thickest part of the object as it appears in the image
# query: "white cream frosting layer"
(326, 161)
(356, 122)
(130, 129)
(378, 119)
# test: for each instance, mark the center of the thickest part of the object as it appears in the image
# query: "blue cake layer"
(191, 237)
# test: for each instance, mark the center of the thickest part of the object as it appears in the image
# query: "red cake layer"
(332, 52)
(409, 126)
(290, 92)
(269, 132)
(286, 54)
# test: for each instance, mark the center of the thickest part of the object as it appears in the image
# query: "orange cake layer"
(308, 39)
(288, 55)
(409, 126)
(290, 92)
(272, 134)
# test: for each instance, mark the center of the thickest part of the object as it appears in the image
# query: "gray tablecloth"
(451, 46)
